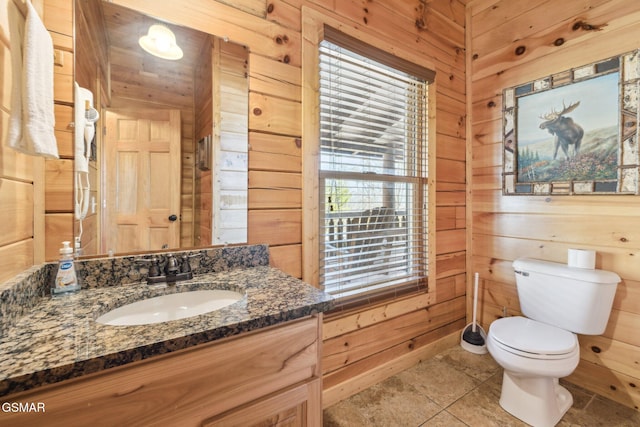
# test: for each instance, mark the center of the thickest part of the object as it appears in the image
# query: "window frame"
(374, 248)
(315, 25)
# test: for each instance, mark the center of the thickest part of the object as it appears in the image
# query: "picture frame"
(204, 153)
(574, 132)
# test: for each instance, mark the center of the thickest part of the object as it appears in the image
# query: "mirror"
(161, 144)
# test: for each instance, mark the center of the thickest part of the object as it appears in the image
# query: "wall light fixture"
(161, 42)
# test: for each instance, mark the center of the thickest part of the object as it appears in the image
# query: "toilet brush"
(473, 337)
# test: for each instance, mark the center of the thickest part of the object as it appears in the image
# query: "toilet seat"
(532, 339)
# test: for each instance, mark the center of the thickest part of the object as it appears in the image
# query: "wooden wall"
(365, 346)
(551, 37)
(230, 143)
(221, 87)
(362, 346)
(203, 106)
(58, 181)
(17, 172)
(53, 183)
(36, 194)
(92, 73)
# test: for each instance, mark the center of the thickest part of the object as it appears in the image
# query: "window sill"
(354, 304)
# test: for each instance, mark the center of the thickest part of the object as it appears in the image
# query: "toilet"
(535, 351)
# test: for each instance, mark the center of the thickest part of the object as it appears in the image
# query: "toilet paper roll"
(582, 258)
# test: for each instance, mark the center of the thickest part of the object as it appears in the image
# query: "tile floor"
(456, 389)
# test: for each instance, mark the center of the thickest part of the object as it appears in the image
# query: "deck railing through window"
(373, 170)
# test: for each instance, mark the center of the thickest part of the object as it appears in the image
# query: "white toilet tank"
(575, 299)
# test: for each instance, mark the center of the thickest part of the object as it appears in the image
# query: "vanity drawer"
(185, 387)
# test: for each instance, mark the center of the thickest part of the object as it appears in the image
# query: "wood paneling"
(230, 143)
(275, 227)
(503, 227)
(287, 258)
(274, 115)
(91, 73)
(365, 341)
(274, 152)
(12, 163)
(16, 211)
(508, 227)
(270, 76)
(64, 130)
(363, 345)
(58, 16)
(59, 225)
(426, 32)
(203, 106)
(62, 87)
(264, 37)
(351, 322)
(15, 257)
(357, 376)
(21, 176)
(59, 185)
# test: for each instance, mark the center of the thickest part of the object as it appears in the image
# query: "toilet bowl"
(537, 350)
(534, 356)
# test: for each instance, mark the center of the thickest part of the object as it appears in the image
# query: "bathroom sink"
(169, 307)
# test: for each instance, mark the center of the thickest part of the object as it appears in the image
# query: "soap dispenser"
(66, 279)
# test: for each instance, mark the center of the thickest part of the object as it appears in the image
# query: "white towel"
(32, 120)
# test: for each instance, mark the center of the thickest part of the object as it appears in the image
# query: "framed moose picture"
(574, 132)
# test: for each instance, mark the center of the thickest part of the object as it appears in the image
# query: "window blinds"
(373, 172)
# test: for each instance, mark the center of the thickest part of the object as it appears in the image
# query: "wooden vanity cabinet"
(269, 377)
(286, 408)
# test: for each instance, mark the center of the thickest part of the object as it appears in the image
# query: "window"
(373, 170)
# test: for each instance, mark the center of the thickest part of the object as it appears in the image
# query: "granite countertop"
(59, 338)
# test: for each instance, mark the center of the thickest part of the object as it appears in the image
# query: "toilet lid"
(533, 337)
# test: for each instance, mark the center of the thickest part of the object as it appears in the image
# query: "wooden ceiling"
(135, 78)
(124, 27)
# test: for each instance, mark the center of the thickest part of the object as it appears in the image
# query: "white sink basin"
(169, 307)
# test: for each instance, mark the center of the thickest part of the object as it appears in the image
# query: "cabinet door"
(297, 406)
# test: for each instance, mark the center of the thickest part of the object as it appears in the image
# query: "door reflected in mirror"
(143, 187)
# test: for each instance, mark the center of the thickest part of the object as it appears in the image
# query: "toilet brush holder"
(473, 337)
(474, 340)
